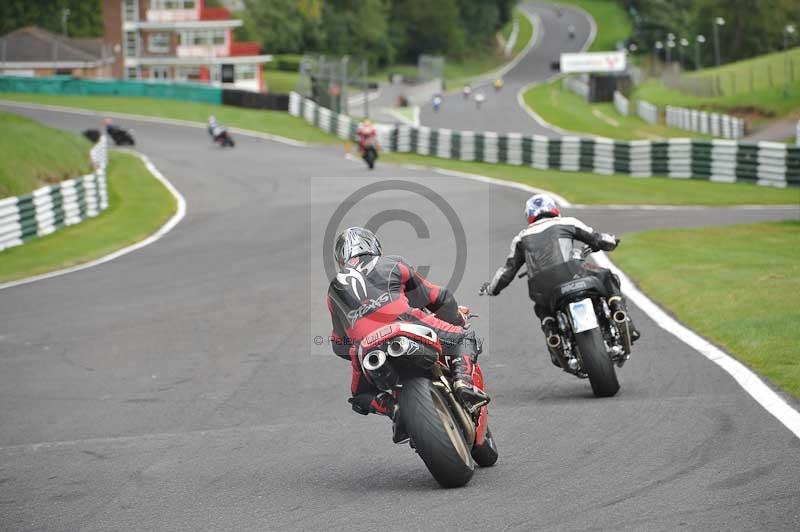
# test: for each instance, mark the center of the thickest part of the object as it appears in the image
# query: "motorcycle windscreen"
(582, 315)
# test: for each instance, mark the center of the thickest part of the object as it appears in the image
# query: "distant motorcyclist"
(119, 135)
(479, 98)
(437, 102)
(218, 132)
(372, 290)
(546, 244)
(498, 84)
(571, 31)
(466, 92)
(368, 142)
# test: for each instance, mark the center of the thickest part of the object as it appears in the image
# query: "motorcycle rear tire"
(369, 157)
(597, 364)
(486, 455)
(435, 433)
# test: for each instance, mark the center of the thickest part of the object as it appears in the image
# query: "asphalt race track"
(179, 387)
(500, 110)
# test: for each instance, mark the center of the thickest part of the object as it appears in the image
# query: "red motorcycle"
(406, 361)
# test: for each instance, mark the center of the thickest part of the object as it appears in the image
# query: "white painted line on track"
(163, 230)
(746, 378)
(151, 119)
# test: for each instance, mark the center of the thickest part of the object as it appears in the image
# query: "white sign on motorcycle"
(593, 62)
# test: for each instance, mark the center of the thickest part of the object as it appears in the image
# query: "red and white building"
(180, 40)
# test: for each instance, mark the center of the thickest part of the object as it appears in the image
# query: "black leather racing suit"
(544, 247)
(372, 291)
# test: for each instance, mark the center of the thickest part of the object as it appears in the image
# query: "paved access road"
(500, 111)
(178, 388)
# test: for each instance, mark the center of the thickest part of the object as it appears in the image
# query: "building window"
(172, 4)
(131, 10)
(158, 43)
(132, 73)
(203, 38)
(131, 44)
(245, 72)
(160, 73)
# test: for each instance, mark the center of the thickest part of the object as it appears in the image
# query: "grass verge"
(33, 155)
(280, 82)
(569, 111)
(138, 205)
(613, 24)
(580, 187)
(735, 285)
(273, 122)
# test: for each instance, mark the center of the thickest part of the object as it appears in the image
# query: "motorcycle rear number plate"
(583, 316)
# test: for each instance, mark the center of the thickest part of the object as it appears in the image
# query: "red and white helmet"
(541, 206)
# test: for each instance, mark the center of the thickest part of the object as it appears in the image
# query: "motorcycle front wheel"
(597, 363)
(435, 433)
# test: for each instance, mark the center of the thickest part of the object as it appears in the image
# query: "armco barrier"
(714, 124)
(647, 111)
(101, 87)
(764, 163)
(50, 208)
(621, 103)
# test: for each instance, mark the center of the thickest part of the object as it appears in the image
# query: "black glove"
(484, 290)
(362, 403)
(607, 242)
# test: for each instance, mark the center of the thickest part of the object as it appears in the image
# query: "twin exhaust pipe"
(374, 360)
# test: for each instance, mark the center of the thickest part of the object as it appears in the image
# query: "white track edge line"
(163, 230)
(744, 376)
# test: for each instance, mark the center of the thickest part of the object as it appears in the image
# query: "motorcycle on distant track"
(120, 136)
(591, 339)
(369, 152)
(406, 361)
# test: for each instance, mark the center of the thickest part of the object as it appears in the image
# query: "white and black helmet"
(355, 241)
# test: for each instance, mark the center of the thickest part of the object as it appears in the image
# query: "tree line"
(384, 31)
(749, 27)
(85, 16)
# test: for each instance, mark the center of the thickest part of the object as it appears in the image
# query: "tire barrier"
(714, 124)
(728, 161)
(50, 208)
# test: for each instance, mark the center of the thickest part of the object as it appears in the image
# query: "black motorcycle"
(591, 337)
(120, 136)
(221, 136)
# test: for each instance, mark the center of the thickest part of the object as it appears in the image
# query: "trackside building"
(180, 40)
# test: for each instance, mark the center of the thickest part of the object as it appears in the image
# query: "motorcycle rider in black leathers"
(372, 290)
(543, 247)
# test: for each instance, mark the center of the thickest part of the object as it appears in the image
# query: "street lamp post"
(787, 32)
(719, 21)
(670, 46)
(700, 39)
(684, 43)
(658, 47)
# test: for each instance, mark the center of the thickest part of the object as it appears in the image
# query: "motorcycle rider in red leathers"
(366, 132)
(372, 290)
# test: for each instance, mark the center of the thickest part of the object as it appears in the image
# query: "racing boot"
(472, 396)
(617, 304)
(552, 339)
